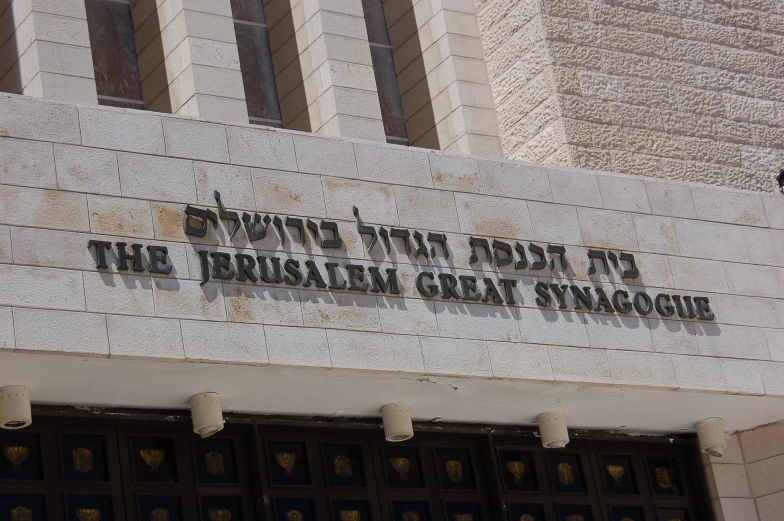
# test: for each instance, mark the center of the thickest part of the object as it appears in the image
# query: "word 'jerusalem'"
(357, 277)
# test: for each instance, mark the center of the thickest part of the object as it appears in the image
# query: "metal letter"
(523, 262)
(384, 234)
(100, 251)
(561, 252)
(632, 272)
(297, 223)
(251, 226)
(421, 248)
(537, 250)
(403, 234)
(596, 254)
(204, 216)
(365, 230)
(335, 242)
(441, 239)
(278, 224)
(474, 242)
(228, 216)
(504, 247)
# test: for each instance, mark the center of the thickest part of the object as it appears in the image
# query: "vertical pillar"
(442, 76)
(323, 68)
(188, 59)
(45, 50)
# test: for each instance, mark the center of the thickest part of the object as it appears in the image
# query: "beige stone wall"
(747, 484)
(679, 89)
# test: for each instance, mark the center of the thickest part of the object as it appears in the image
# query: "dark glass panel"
(154, 460)
(525, 512)
(84, 458)
(403, 468)
(627, 514)
(410, 511)
(518, 470)
(248, 11)
(258, 76)
(618, 475)
(214, 461)
(27, 508)
(462, 512)
(574, 513)
(455, 469)
(294, 510)
(89, 508)
(287, 463)
(221, 509)
(20, 458)
(343, 464)
(159, 508)
(114, 53)
(351, 511)
(672, 514)
(566, 473)
(375, 21)
(388, 94)
(663, 475)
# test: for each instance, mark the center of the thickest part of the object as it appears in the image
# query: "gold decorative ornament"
(616, 472)
(21, 514)
(153, 458)
(214, 462)
(350, 515)
(463, 517)
(410, 516)
(159, 514)
(454, 470)
(343, 466)
(401, 466)
(574, 518)
(219, 514)
(517, 468)
(527, 517)
(663, 477)
(83, 460)
(88, 514)
(16, 455)
(566, 476)
(287, 460)
(294, 515)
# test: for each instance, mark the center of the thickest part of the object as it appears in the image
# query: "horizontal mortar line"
(545, 167)
(249, 23)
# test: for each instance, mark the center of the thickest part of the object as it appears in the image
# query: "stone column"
(323, 68)
(45, 50)
(188, 58)
(442, 76)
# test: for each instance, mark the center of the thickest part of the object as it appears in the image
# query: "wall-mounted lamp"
(206, 414)
(552, 428)
(710, 433)
(397, 422)
(15, 410)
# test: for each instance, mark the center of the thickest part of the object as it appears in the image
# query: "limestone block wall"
(323, 68)
(74, 173)
(442, 76)
(675, 89)
(747, 483)
(188, 58)
(45, 50)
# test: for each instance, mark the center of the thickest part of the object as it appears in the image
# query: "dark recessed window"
(113, 47)
(384, 69)
(258, 77)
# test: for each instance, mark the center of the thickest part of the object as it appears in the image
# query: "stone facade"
(747, 484)
(675, 89)
(75, 173)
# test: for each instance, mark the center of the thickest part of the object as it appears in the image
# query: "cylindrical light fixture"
(397, 422)
(710, 433)
(552, 428)
(206, 414)
(15, 410)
